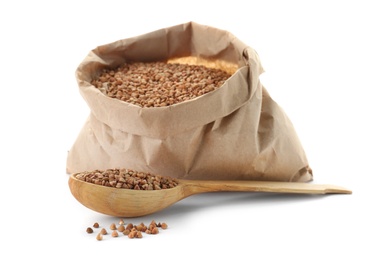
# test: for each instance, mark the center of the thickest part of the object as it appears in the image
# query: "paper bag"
(236, 132)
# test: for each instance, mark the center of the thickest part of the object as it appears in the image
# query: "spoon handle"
(201, 186)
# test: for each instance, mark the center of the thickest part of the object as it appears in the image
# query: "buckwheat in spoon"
(127, 193)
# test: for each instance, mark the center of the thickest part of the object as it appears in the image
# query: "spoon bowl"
(121, 202)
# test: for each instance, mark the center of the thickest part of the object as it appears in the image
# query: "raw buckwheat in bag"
(151, 114)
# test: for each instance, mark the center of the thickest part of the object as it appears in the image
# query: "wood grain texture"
(134, 203)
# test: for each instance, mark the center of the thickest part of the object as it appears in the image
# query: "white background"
(327, 65)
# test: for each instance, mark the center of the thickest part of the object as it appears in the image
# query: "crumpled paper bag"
(236, 132)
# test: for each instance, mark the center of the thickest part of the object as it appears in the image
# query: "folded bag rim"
(160, 122)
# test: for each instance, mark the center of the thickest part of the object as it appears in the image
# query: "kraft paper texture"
(236, 132)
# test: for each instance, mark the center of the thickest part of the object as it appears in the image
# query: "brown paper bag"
(236, 132)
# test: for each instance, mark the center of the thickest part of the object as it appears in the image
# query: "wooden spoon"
(134, 203)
